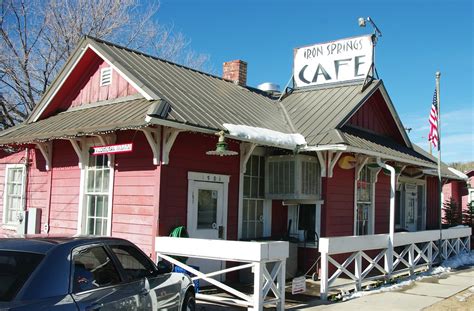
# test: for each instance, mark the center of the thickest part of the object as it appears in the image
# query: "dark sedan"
(86, 273)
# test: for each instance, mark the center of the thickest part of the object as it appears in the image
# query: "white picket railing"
(412, 250)
(259, 256)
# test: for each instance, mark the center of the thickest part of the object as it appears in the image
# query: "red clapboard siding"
(65, 189)
(375, 116)
(189, 154)
(382, 203)
(134, 197)
(82, 86)
(279, 219)
(338, 207)
(432, 203)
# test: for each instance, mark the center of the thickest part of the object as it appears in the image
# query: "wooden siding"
(134, 197)
(375, 116)
(90, 91)
(82, 86)
(382, 203)
(432, 203)
(338, 208)
(279, 219)
(189, 154)
(65, 187)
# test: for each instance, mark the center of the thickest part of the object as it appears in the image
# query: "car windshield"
(15, 268)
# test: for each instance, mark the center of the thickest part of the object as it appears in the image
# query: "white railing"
(412, 250)
(258, 256)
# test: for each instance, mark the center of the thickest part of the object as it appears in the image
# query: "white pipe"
(389, 258)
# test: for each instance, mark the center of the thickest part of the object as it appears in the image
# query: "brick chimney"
(235, 71)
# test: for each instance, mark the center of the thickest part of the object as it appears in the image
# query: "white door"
(411, 204)
(207, 207)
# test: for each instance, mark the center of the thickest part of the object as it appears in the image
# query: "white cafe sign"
(336, 61)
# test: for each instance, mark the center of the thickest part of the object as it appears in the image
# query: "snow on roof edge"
(458, 173)
(266, 136)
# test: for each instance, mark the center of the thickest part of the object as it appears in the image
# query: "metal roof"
(79, 122)
(195, 97)
(378, 144)
(317, 112)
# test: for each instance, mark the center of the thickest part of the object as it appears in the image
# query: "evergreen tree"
(452, 213)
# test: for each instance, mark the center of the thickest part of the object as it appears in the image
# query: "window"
(93, 268)
(14, 193)
(365, 202)
(15, 269)
(253, 201)
(134, 263)
(97, 195)
(105, 76)
(304, 220)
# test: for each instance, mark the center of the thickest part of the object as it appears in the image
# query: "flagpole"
(440, 187)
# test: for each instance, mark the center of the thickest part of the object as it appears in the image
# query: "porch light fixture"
(221, 147)
(363, 22)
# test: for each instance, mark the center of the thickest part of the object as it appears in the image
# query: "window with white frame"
(304, 221)
(364, 202)
(253, 200)
(13, 193)
(97, 195)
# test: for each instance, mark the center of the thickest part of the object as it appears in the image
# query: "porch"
(347, 263)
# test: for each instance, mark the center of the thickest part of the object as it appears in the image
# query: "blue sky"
(419, 38)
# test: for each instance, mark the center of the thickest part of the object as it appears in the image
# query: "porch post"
(389, 255)
(324, 275)
(258, 286)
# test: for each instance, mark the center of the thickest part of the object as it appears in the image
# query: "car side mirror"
(164, 267)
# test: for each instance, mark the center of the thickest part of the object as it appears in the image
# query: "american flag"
(433, 136)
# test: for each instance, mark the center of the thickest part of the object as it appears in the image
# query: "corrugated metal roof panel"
(372, 142)
(109, 117)
(199, 98)
(321, 110)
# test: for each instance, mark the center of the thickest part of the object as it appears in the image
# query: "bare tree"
(36, 37)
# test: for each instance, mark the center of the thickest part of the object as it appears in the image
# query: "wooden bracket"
(153, 136)
(79, 145)
(169, 136)
(332, 160)
(361, 162)
(376, 174)
(107, 139)
(47, 152)
(322, 162)
(246, 150)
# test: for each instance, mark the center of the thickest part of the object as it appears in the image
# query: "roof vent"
(105, 76)
(269, 87)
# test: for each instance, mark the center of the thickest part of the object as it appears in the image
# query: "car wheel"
(189, 303)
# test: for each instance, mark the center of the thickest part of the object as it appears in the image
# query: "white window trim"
(82, 191)
(418, 182)
(102, 73)
(372, 208)
(23, 192)
(293, 214)
(267, 204)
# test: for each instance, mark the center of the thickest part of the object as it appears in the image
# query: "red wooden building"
(273, 188)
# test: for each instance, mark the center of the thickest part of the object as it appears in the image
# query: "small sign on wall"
(298, 285)
(331, 62)
(112, 149)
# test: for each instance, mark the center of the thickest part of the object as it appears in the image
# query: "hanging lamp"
(221, 147)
